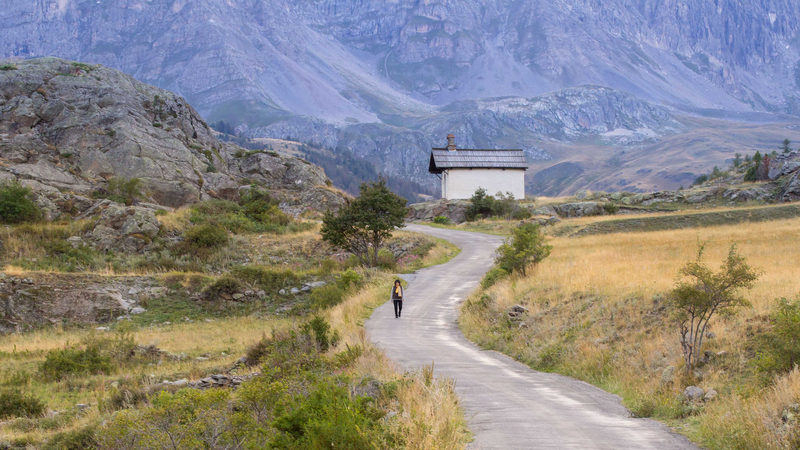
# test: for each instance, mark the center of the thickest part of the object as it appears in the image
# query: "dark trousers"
(398, 307)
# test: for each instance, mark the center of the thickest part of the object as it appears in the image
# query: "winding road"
(508, 405)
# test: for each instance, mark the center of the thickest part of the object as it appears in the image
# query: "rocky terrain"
(593, 91)
(67, 129)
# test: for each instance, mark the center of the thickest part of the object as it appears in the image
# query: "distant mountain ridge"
(386, 80)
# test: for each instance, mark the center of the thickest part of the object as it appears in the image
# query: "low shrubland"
(599, 309)
(255, 212)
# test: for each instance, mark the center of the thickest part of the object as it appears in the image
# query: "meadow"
(597, 311)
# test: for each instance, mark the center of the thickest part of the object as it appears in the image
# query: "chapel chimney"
(451, 143)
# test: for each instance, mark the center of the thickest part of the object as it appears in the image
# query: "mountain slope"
(71, 127)
(387, 80)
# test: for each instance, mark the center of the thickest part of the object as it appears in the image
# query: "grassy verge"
(437, 251)
(596, 312)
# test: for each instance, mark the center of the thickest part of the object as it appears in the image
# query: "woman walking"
(397, 298)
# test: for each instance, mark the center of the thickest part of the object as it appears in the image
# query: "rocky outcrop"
(454, 210)
(579, 209)
(67, 128)
(47, 299)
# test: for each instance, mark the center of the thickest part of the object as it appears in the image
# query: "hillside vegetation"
(218, 325)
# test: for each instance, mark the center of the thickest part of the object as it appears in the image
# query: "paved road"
(508, 405)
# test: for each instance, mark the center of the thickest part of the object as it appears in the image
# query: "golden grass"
(598, 299)
(429, 413)
(177, 220)
(756, 423)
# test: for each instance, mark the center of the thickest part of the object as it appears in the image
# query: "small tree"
(785, 146)
(757, 159)
(362, 226)
(481, 205)
(504, 204)
(706, 293)
(526, 246)
(737, 159)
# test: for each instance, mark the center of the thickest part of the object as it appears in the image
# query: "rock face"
(68, 128)
(692, 53)
(454, 210)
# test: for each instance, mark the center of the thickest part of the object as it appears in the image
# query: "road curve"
(508, 405)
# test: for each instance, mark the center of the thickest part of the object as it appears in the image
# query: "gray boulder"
(127, 229)
(580, 209)
(694, 393)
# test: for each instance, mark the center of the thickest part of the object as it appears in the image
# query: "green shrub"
(7, 67)
(441, 220)
(779, 347)
(494, 275)
(259, 206)
(128, 190)
(351, 262)
(350, 279)
(61, 363)
(328, 266)
(700, 180)
(481, 205)
(213, 208)
(81, 439)
(326, 296)
(386, 260)
(288, 351)
(206, 236)
(256, 212)
(611, 208)
(504, 204)
(750, 175)
(15, 404)
(550, 357)
(269, 280)
(526, 246)
(226, 285)
(327, 418)
(125, 398)
(188, 419)
(73, 258)
(16, 204)
(521, 213)
(320, 330)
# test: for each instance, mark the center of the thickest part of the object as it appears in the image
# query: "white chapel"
(463, 171)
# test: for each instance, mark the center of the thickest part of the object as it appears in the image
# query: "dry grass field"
(597, 312)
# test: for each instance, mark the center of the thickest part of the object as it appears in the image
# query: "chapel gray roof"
(468, 158)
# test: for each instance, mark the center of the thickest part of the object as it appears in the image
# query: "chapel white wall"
(462, 183)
